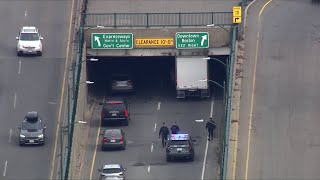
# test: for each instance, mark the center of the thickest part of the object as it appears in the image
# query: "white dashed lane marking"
(5, 168)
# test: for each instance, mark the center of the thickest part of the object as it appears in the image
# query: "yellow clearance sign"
(154, 42)
(236, 14)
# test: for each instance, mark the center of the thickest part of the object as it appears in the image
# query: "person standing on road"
(164, 132)
(210, 126)
(175, 128)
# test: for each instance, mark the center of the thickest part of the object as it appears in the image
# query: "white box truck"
(189, 73)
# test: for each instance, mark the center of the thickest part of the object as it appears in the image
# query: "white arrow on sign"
(203, 39)
(96, 38)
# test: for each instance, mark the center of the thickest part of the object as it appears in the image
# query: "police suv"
(180, 146)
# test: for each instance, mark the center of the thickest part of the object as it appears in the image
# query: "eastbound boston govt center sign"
(111, 40)
(192, 40)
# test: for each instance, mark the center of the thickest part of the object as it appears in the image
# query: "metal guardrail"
(115, 20)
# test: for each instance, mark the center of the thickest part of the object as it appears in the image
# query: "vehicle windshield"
(31, 126)
(29, 37)
(115, 133)
(179, 142)
(111, 170)
(117, 107)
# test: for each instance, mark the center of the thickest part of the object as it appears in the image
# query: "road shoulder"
(249, 45)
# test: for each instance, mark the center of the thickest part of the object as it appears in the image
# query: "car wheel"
(168, 159)
(19, 53)
(21, 144)
(39, 53)
(192, 157)
(123, 148)
(103, 148)
(126, 123)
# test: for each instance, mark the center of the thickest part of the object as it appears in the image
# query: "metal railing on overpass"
(114, 20)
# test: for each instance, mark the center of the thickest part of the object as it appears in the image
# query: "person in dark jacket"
(164, 132)
(175, 128)
(210, 126)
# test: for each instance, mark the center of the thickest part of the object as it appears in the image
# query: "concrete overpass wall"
(219, 40)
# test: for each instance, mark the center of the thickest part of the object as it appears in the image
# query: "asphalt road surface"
(285, 134)
(161, 6)
(30, 83)
(144, 157)
(151, 105)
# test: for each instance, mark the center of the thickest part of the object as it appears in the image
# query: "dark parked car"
(122, 82)
(115, 111)
(32, 129)
(113, 139)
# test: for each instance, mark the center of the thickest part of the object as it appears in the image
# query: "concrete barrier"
(235, 109)
(81, 131)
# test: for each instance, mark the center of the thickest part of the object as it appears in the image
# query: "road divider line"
(96, 147)
(148, 169)
(10, 135)
(15, 101)
(262, 9)
(212, 104)
(62, 92)
(5, 168)
(155, 127)
(207, 144)
(204, 160)
(151, 147)
(159, 104)
(253, 93)
(19, 68)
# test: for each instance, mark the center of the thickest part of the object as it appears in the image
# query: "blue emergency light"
(176, 137)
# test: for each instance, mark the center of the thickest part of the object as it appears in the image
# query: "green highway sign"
(192, 40)
(111, 41)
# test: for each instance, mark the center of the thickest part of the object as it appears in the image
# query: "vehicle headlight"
(40, 136)
(22, 136)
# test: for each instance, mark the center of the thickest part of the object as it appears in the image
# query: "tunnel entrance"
(150, 75)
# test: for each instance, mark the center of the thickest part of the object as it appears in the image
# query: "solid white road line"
(5, 168)
(206, 150)
(159, 104)
(148, 168)
(211, 110)
(10, 135)
(204, 161)
(15, 101)
(155, 128)
(19, 68)
(152, 147)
